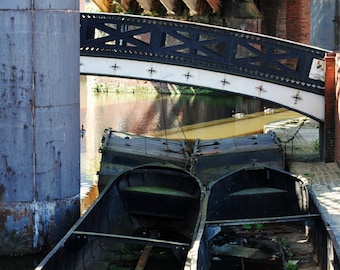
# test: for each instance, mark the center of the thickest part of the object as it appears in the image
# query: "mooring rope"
(296, 132)
(179, 122)
(164, 122)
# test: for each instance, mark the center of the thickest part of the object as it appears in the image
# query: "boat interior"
(251, 221)
(145, 216)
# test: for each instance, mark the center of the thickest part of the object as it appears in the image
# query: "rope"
(296, 132)
(179, 122)
(164, 122)
(192, 159)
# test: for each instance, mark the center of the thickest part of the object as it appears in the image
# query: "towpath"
(300, 136)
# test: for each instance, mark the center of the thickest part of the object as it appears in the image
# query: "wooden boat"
(122, 151)
(146, 216)
(246, 214)
(215, 158)
(207, 159)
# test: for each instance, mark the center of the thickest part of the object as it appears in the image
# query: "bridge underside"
(306, 103)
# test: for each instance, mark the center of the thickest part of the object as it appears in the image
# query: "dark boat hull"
(245, 205)
(122, 151)
(215, 158)
(207, 159)
(151, 207)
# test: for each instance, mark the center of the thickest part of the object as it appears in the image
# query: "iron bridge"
(181, 52)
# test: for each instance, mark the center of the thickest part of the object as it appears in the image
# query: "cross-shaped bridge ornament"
(224, 82)
(260, 89)
(188, 76)
(115, 67)
(151, 71)
(297, 97)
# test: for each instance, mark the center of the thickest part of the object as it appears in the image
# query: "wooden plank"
(159, 191)
(143, 258)
(257, 191)
(233, 222)
(134, 239)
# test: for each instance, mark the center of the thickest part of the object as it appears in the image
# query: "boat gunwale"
(134, 239)
(183, 247)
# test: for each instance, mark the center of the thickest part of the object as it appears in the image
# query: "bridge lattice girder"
(254, 57)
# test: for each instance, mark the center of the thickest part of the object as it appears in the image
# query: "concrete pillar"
(329, 126)
(39, 123)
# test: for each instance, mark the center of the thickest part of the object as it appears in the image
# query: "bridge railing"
(202, 46)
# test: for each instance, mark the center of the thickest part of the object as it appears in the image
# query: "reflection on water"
(147, 114)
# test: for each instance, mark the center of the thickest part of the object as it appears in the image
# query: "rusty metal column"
(330, 99)
(39, 123)
(337, 108)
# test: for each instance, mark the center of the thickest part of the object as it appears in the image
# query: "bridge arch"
(155, 49)
(288, 97)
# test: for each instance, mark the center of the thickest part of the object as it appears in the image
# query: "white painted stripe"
(306, 103)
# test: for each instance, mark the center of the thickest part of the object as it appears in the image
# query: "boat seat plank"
(257, 191)
(281, 219)
(144, 201)
(156, 214)
(158, 190)
(134, 239)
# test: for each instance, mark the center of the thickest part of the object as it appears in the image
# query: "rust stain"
(9, 170)
(2, 191)
(4, 213)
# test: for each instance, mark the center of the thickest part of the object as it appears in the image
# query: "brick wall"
(288, 19)
(298, 20)
(274, 12)
(337, 109)
(331, 148)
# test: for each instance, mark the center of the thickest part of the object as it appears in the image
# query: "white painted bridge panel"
(307, 103)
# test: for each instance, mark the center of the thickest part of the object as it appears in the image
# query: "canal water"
(140, 113)
(146, 114)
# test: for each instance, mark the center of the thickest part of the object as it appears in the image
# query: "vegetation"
(101, 87)
(315, 145)
(285, 247)
(258, 226)
(290, 266)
